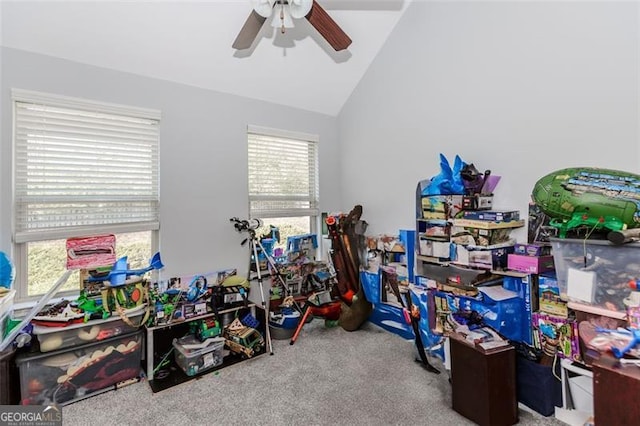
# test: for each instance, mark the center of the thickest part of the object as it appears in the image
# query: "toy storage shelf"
(456, 266)
(160, 338)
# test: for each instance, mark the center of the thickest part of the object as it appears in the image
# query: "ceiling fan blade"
(327, 27)
(249, 31)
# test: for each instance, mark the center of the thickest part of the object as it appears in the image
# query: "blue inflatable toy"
(7, 272)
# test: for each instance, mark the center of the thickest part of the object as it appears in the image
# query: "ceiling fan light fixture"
(263, 7)
(300, 8)
(285, 13)
(282, 17)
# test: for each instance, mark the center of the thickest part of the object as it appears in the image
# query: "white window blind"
(83, 166)
(283, 174)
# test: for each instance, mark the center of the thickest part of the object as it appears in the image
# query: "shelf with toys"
(191, 316)
(172, 357)
(462, 248)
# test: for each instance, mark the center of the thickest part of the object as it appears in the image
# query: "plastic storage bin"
(9, 385)
(56, 338)
(65, 376)
(194, 356)
(602, 271)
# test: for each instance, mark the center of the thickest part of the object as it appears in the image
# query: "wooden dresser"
(616, 389)
(484, 383)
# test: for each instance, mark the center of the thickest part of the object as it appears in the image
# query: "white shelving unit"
(577, 394)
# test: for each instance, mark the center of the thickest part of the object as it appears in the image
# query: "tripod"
(250, 227)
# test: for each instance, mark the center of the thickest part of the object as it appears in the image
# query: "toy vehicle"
(589, 197)
(206, 328)
(246, 341)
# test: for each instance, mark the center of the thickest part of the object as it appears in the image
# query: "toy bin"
(9, 385)
(595, 271)
(55, 338)
(194, 356)
(68, 375)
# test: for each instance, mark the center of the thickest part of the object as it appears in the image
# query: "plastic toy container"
(595, 271)
(9, 385)
(55, 338)
(195, 357)
(68, 375)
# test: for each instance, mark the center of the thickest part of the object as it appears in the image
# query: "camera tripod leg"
(264, 304)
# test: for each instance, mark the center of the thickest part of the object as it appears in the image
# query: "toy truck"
(246, 341)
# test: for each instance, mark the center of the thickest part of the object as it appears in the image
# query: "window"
(80, 168)
(283, 181)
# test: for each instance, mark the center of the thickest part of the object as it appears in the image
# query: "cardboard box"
(441, 206)
(477, 202)
(466, 235)
(439, 249)
(437, 230)
(539, 228)
(549, 297)
(530, 264)
(494, 258)
(565, 333)
(533, 249)
(492, 216)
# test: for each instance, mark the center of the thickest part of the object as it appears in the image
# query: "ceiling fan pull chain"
(282, 26)
(282, 18)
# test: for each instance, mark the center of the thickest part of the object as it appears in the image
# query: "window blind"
(283, 175)
(82, 166)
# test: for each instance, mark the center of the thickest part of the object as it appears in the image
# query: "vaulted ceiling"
(190, 42)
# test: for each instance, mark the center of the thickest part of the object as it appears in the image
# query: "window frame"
(313, 211)
(20, 245)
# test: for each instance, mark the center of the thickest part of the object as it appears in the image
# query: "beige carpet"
(329, 377)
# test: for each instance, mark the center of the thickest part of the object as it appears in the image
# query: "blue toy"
(197, 288)
(7, 272)
(118, 275)
(633, 334)
(448, 181)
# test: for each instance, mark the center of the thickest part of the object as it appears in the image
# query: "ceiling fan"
(286, 10)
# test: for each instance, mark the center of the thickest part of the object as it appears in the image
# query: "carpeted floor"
(329, 377)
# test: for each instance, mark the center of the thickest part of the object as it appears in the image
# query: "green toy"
(91, 307)
(589, 197)
(205, 328)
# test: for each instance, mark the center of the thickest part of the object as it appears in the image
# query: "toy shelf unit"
(504, 301)
(577, 394)
(461, 257)
(173, 359)
(447, 234)
(71, 374)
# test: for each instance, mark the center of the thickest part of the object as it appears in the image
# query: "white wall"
(520, 88)
(203, 152)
